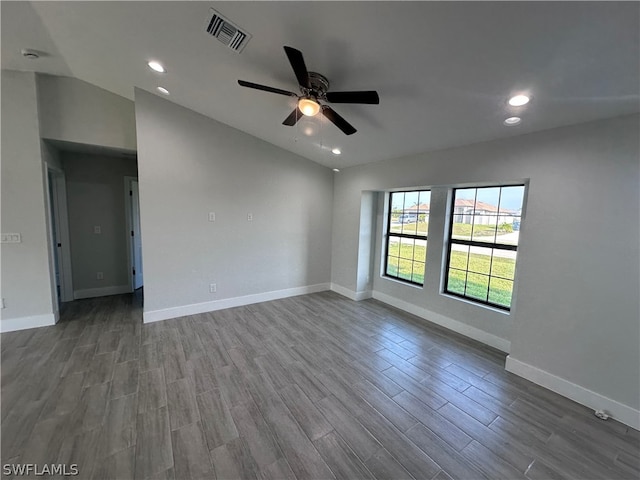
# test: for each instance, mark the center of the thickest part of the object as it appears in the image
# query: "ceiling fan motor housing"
(319, 86)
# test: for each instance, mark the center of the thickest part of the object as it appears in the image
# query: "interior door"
(137, 239)
(54, 234)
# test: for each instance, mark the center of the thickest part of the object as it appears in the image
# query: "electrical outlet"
(97, 229)
(100, 276)
(249, 217)
(213, 288)
(212, 216)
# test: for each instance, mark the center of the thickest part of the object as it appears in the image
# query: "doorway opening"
(132, 203)
(62, 285)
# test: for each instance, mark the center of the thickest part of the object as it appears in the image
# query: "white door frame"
(56, 202)
(129, 222)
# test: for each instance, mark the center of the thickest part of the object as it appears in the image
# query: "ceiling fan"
(313, 88)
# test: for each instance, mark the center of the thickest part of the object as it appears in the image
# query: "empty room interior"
(318, 240)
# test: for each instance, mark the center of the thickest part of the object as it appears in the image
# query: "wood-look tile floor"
(311, 387)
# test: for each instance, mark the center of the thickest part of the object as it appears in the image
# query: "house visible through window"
(407, 227)
(485, 229)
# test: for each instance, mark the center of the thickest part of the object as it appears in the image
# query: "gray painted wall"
(72, 110)
(25, 266)
(95, 197)
(190, 165)
(576, 313)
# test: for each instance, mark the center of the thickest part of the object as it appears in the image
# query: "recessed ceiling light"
(156, 66)
(518, 100)
(336, 151)
(163, 90)
(336, 170)
(511, 121)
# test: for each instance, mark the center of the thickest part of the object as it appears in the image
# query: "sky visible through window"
(510, 198)
(409, 199)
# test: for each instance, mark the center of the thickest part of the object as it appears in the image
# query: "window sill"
(477, 304)
(402, 282)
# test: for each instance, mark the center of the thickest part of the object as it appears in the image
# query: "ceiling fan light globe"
(308, 107)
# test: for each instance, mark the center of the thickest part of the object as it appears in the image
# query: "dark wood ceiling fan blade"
(293, 117)
(299, 68)
(265, 88)
(338, 121)
(365, 96)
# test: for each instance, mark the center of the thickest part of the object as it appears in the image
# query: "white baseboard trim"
(23, 323)
(356, 296)
(446, 322)
(196, 308)
(621, 412)
(101, 292)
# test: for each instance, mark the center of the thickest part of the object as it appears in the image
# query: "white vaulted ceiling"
(443, 70)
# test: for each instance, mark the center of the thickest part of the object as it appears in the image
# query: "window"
(485, 227)
(407, 227)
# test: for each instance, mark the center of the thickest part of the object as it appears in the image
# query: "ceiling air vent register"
(226, 32)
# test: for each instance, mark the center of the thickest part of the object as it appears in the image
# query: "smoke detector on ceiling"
(226, 32)
(30, 54)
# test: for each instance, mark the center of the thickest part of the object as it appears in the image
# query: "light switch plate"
(97, 229)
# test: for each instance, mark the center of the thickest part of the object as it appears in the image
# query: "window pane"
(411, 199)
(392, 266)
(397, 202)
(503, 264)
(422, 225)
(466, 194)
(405, 269)
(395, 226)
(484, 228)
(511, 199)
(462, 227)
(394, 246)
(418, 272)
(477, 286)
(425, 199)
(424, 208)
(397, 205)
(420, 251)
(500, 292)
(487, 200)
(406, 248)
(506, 233)
(459, 256)
(480, 260)
(456, 281)
(409, 224)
